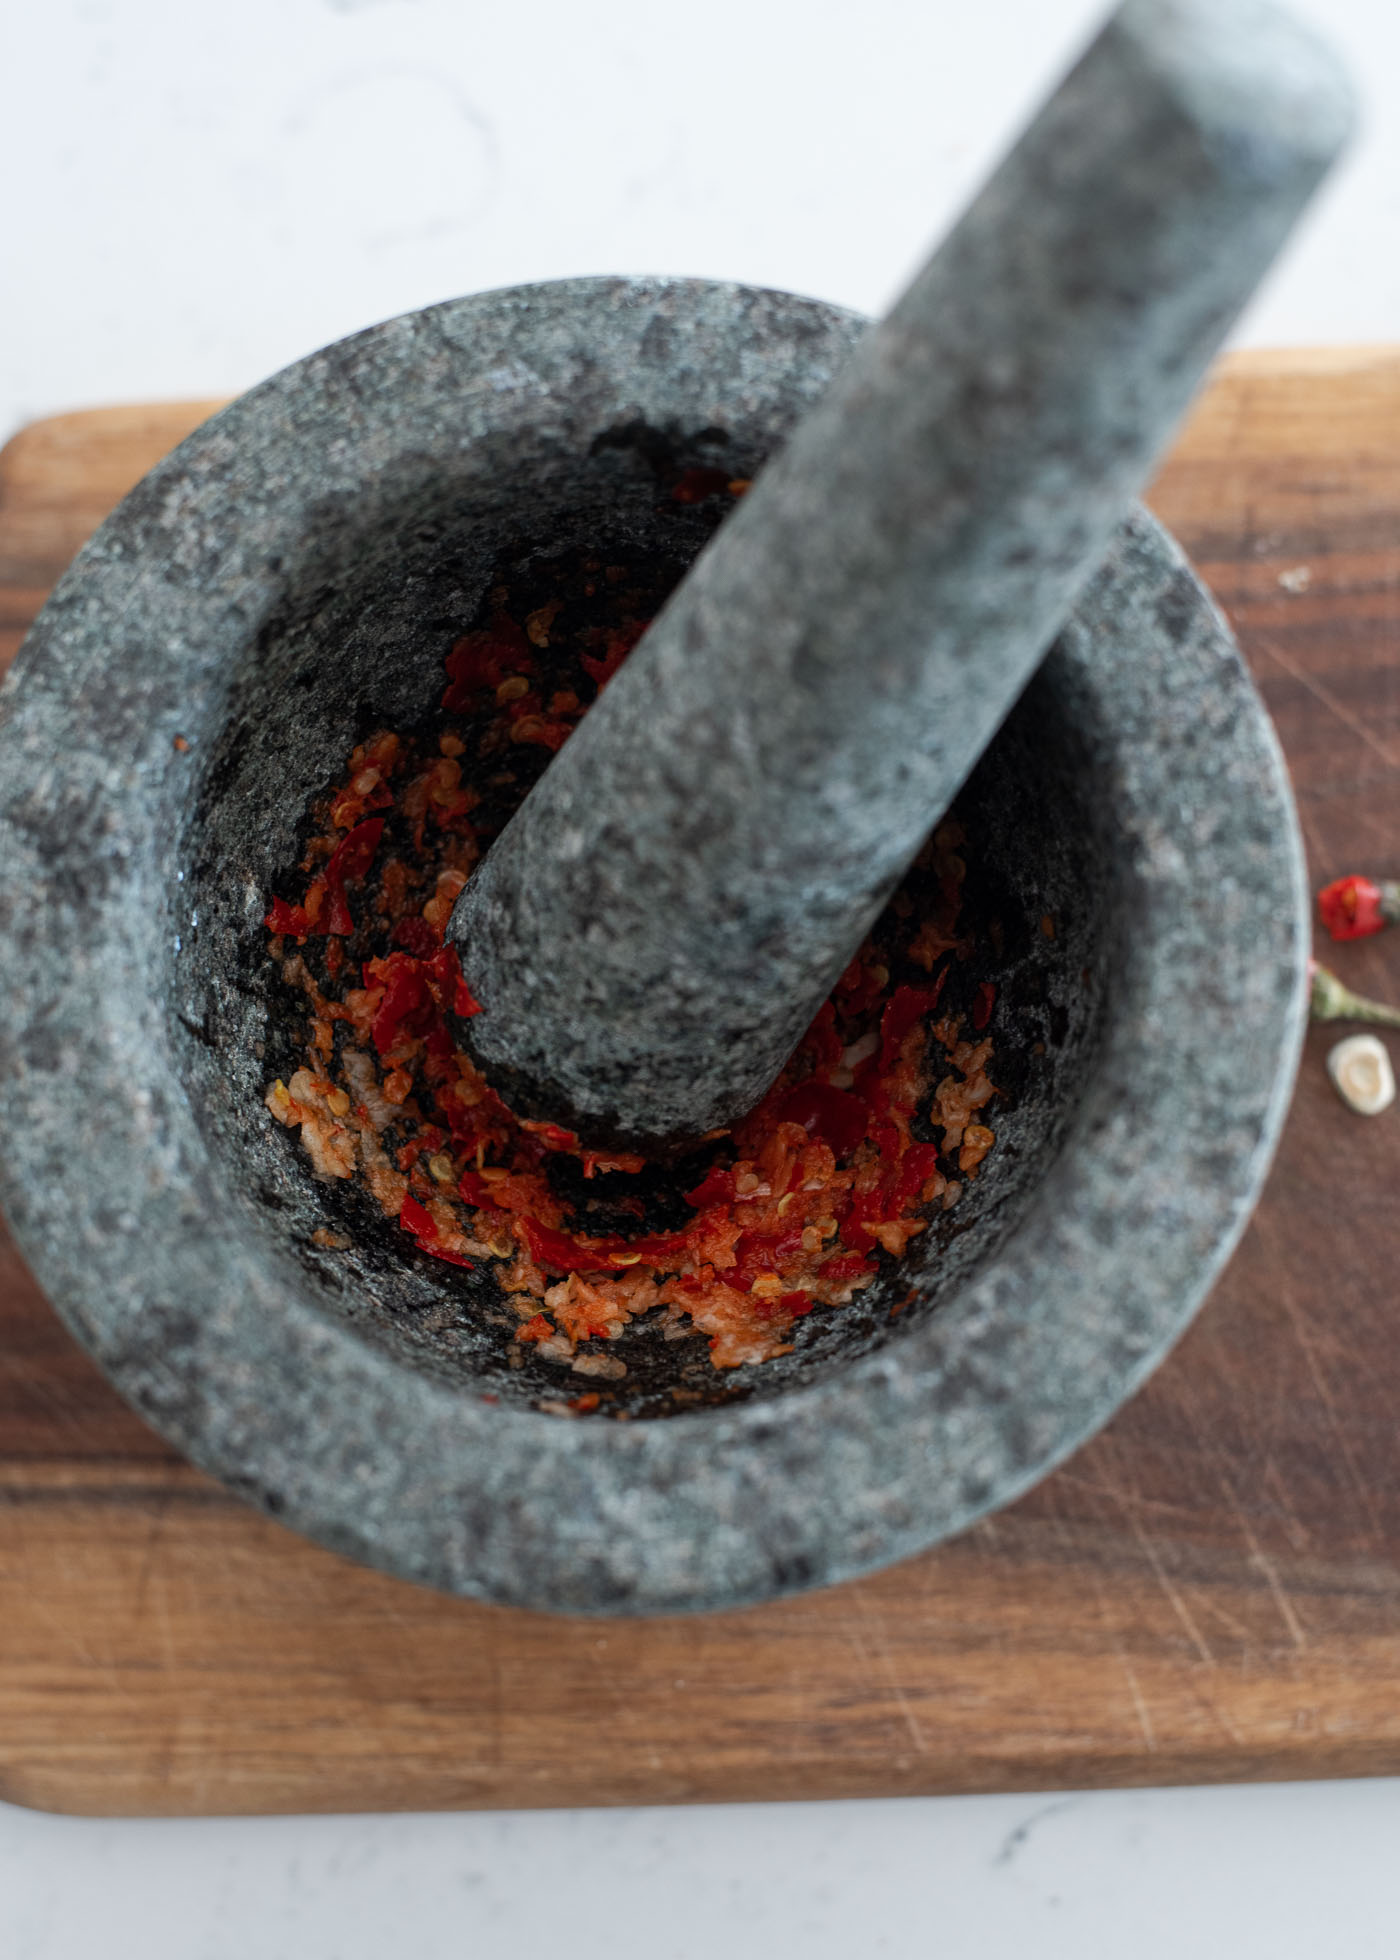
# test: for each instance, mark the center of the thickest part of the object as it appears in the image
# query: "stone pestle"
(653, 931)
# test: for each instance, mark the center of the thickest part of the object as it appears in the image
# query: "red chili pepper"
(441, 1252)
(984, 1001)
(446, 971)
(833, 1115)
(916, 1167)
(905, 1007)
(601, 669)
(763, 1252)
(1353, 908)
(567, 1254)
(288, 918)
(416, 936)
(438, 1041)
(864, 1209)
(407, 1007)
(426, 1142)
(663, 1245)
(560, 1251)
(416, 1218)
(612, 1160)
(351, 858)
(551, 1135)
(694, 485)
(466, 1124)
(529, 1148)
(796, 1304)
(483, 660)
(619, 644)
(846, 1265)
(904, 1177)
(716, 1188)
(415, 993)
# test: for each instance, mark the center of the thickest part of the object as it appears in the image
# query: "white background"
(191, 197)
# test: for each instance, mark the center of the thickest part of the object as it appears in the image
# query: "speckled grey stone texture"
(658, 924)
(290, 577)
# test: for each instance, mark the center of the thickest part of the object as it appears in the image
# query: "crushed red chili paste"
(874, 1125)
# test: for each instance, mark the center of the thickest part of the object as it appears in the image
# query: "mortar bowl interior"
(365, 651)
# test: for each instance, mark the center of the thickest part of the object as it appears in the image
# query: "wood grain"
(1209, 1590)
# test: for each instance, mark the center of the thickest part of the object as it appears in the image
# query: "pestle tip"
(1253, 76)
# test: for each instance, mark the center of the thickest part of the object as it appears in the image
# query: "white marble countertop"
(194, 196)
(1304, 1869)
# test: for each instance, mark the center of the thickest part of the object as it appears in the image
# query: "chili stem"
(1331, 1001)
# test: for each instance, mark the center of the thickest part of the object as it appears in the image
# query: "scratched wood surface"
(1209, 1590)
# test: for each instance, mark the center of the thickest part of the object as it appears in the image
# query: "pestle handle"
(654, 930)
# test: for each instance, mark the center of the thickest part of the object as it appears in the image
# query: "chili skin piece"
(1354, 908)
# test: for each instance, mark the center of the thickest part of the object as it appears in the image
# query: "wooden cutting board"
(1210, 1590)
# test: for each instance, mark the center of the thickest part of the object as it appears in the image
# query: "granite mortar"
(288, 578)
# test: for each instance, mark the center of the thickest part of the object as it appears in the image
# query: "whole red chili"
(1352, 908)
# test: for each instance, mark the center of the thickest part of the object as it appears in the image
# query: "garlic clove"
(1362, 1075)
